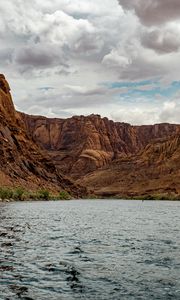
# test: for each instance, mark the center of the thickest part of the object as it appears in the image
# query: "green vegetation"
(20, 194)
(63, 195)
(6, 193)
(43, 194)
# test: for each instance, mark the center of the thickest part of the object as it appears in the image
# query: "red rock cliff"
(22, 161)
(79, 145)
(154, 171)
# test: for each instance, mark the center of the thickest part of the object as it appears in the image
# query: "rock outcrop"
(80, 145)
(7, 109)
(153, 171)
(22, 162)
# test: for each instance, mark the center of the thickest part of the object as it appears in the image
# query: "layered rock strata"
(80, 145)
(155, 170)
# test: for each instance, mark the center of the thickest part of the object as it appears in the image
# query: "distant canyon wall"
(80, 144)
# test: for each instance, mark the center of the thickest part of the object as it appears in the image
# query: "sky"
(116, 58)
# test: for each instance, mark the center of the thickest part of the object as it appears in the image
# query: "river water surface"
(90, 249)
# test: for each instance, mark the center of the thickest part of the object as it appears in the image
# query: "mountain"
(80, 145)
(22, 162)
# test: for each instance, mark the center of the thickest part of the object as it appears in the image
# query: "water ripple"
(99, 250)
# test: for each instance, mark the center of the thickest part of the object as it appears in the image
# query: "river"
(90, 249)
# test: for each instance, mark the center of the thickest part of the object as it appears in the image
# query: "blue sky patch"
(153, 89)
(129, 84)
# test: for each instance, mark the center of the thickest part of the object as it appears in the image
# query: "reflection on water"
(90, 250)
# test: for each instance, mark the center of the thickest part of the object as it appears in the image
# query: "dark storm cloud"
(39, 57)
(153, 12)
(35, 58)
(161, 41)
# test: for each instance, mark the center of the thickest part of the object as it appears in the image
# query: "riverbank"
(136, 196)
(20, 194)
(9, 194)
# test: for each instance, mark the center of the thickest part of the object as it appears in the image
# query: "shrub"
(32, 195)
(63, 195)
(43, 194)
(6, 193)
(18, 193)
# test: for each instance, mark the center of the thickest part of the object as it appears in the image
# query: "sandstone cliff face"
(155, 170)
(22, 162)
(80, 145)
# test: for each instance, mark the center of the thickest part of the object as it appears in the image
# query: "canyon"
(87, 154)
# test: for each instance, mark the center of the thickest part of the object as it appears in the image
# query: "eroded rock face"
(80, 145)
(155, 170)
(22, 161)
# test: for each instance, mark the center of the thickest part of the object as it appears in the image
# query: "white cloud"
(136, 116)
(171, 111)
(166, 112)
(115, 59)
(75, 46)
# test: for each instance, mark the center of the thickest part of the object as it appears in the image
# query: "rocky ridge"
(22, 162)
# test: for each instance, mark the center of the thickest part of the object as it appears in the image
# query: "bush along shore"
(20, 194)
(8, 194)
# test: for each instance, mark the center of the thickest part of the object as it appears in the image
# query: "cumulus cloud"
(149, 51)
(36, 34)
(153, 12)
(77, 47)
(134, 62)
(168, 112)
(116, 59)
(136, 116)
